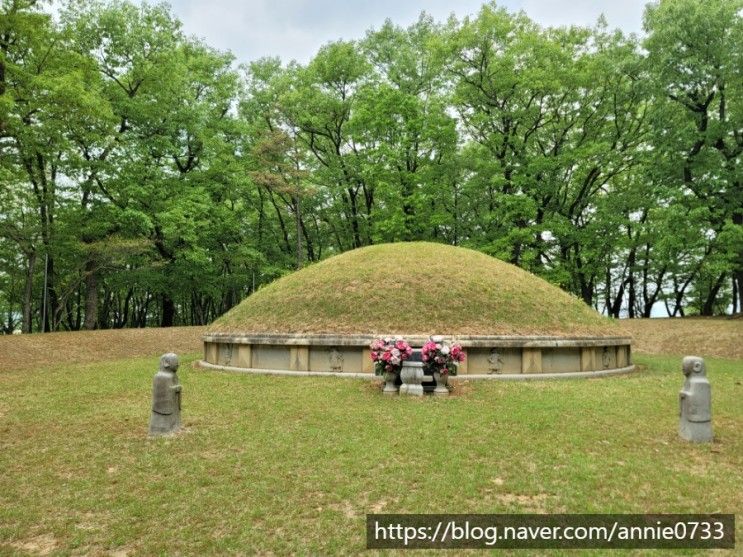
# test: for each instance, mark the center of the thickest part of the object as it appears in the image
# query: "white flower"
(445, 350)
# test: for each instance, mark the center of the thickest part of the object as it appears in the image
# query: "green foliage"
(149, 181)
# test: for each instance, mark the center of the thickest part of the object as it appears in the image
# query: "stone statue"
(605, 358)
(166, 397)
(695, 402)
(495, 362)
(336, 360)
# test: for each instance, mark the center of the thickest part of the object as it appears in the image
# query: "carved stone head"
(693, 365)
(169, 362)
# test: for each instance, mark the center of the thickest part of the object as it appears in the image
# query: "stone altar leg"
(412, 378)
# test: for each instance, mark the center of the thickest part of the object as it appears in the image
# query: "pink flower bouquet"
(388, 354)
(442, 358)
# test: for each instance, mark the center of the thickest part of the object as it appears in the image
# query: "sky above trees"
(295, 29)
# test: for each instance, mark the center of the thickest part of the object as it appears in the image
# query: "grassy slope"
(31, 351)
(414, 288)
(705, 336)
(280, 465)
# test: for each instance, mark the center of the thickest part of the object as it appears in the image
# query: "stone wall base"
(486, 356)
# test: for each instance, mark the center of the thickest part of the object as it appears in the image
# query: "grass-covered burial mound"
(416, 288)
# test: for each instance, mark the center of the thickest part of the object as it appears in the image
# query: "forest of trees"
(147, 179)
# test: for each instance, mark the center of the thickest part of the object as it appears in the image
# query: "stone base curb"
(530, 376)
(497, 377)
(206, 365)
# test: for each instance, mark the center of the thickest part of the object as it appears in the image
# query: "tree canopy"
(149, 179)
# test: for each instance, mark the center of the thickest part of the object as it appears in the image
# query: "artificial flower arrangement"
(439, 357)
(388, 354)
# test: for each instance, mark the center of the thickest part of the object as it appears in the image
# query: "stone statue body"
(166, 397)
(495, 362)
(605, 359)
(336, 360)
(695, 402)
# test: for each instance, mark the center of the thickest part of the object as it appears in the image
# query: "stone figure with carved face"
(166, 397)
(495, 362)
(695, 402)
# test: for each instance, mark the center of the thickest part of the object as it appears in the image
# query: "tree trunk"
(354, 219)
(52, 301)
(168, 311)
(738, 272)
(735, 295)
(91, 296)
(307, 242)
(631, 294)
(708, 308)
(28, 294)
(298, 225)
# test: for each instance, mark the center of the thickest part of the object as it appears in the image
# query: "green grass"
(284, 464)
(414, 288)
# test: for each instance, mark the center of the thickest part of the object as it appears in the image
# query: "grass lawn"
(285, 464)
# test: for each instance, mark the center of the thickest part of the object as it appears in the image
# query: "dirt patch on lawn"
(720, 337)
(19, 352)
(44, 544)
